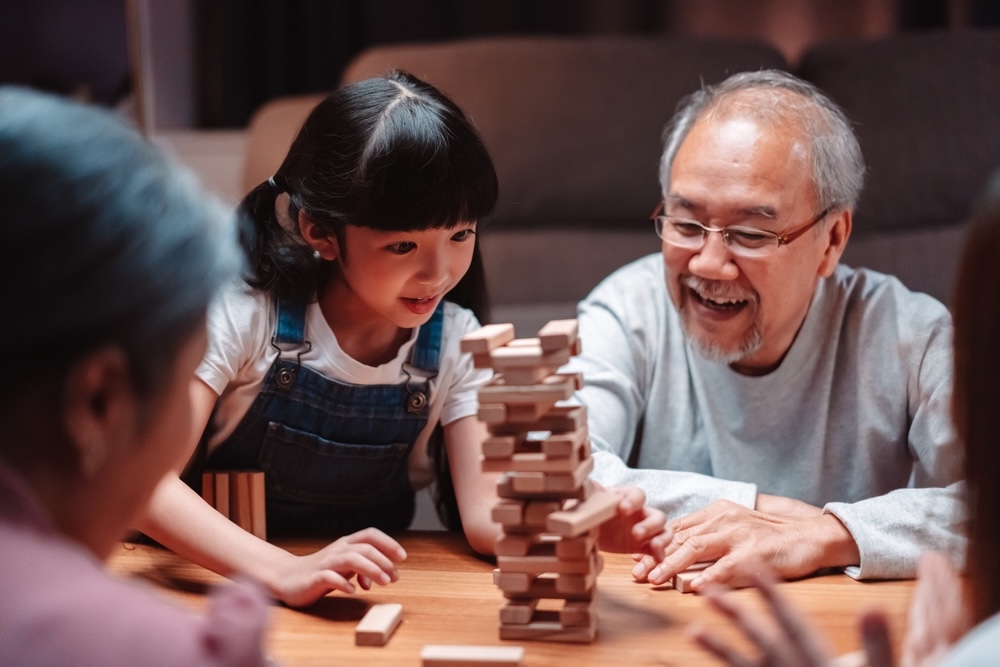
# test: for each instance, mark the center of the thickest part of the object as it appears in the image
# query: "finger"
(377, 539)
(747, 621)
(875, 639)
(791, 621)
(717, 647)
(364, 582)
(327, 581)
(631, 499)
(692, 549)
(335, 560)
(643, 567)
(358, 563)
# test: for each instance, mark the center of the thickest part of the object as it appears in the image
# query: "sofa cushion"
(927, 113)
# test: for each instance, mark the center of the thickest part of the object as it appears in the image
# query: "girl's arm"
(475, 490)
(637, 527)
(182, 521)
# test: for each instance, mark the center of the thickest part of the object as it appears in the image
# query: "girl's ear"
(321, 240)
(100, 409)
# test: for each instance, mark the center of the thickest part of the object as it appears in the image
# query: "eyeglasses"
(741, 241)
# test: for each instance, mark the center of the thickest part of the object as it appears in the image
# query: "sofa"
(575, 127)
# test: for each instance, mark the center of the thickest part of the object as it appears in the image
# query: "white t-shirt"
(241, 322)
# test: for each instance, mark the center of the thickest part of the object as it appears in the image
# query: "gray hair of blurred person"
(104, 242)
(837, 164)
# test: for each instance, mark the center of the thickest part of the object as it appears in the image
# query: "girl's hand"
(939, 615)
(369, 554)
(637, 529)
(790, 640)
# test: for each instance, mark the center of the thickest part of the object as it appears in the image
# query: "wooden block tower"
(547, 557)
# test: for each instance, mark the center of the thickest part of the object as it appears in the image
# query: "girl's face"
(401, 277)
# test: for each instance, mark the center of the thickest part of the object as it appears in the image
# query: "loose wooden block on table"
(378, 624)
(457, 655)
(682, 580)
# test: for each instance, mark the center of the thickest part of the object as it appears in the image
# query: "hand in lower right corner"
(369, 556)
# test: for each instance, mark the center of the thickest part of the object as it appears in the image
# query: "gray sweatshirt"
(856, 419)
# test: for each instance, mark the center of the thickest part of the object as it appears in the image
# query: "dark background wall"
(249, 51)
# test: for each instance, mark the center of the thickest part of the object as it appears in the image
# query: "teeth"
(723, 302)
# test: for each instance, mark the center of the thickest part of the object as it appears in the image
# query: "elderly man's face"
(739, 171)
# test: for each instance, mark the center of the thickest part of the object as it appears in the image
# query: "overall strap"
(291, 327)
(426, 354)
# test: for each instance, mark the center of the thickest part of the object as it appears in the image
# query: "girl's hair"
(104, 243)
(778, 97)
(390, 153)
(977, 385)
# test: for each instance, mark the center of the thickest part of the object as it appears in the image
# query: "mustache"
(719, 289)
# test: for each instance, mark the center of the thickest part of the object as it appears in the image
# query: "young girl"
(331, 367)
(109, 259)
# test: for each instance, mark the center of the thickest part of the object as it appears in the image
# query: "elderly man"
(778, 406)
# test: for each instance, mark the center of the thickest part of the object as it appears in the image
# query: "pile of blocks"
(547, 557)
(238, 495)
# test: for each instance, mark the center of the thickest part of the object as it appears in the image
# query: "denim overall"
(334, 454)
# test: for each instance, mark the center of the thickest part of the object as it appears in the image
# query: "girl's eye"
(463, 235)
(402, 248)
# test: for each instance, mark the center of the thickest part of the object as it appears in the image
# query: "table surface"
(448, 597)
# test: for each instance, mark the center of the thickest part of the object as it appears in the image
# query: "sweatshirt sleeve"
(893, 529)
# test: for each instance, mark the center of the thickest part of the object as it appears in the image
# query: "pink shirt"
(58, 605)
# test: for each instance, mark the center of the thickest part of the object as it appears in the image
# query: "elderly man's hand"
(729, 535)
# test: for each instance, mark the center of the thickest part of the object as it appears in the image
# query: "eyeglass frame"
(783, 239)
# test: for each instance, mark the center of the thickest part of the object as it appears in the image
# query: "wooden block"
(517, 583)
(528, 375)
(508, 512)
(513, 544)
(566, 444)
(853, 659)
(553, 586)
(518, 610)
(536, 512)
(534, 482)
(378, 624)
(258, 505)
(577, 547)
(554, 388)
(550, 630)
(558, 334)
(505, 488)
(239, 500)
(222, 493)
(492, 413)
(589, 513)
(549, 564)
(487, 338)
(577, 613)
(526, 412)
(208, 487)
(500, 446)
(458, 655)
(559, 419)
(534, 462)
(682, 580)
(526, 356)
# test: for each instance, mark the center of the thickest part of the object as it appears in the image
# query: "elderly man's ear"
(835, 236)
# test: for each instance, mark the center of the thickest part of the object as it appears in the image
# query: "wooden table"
(448, 597)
